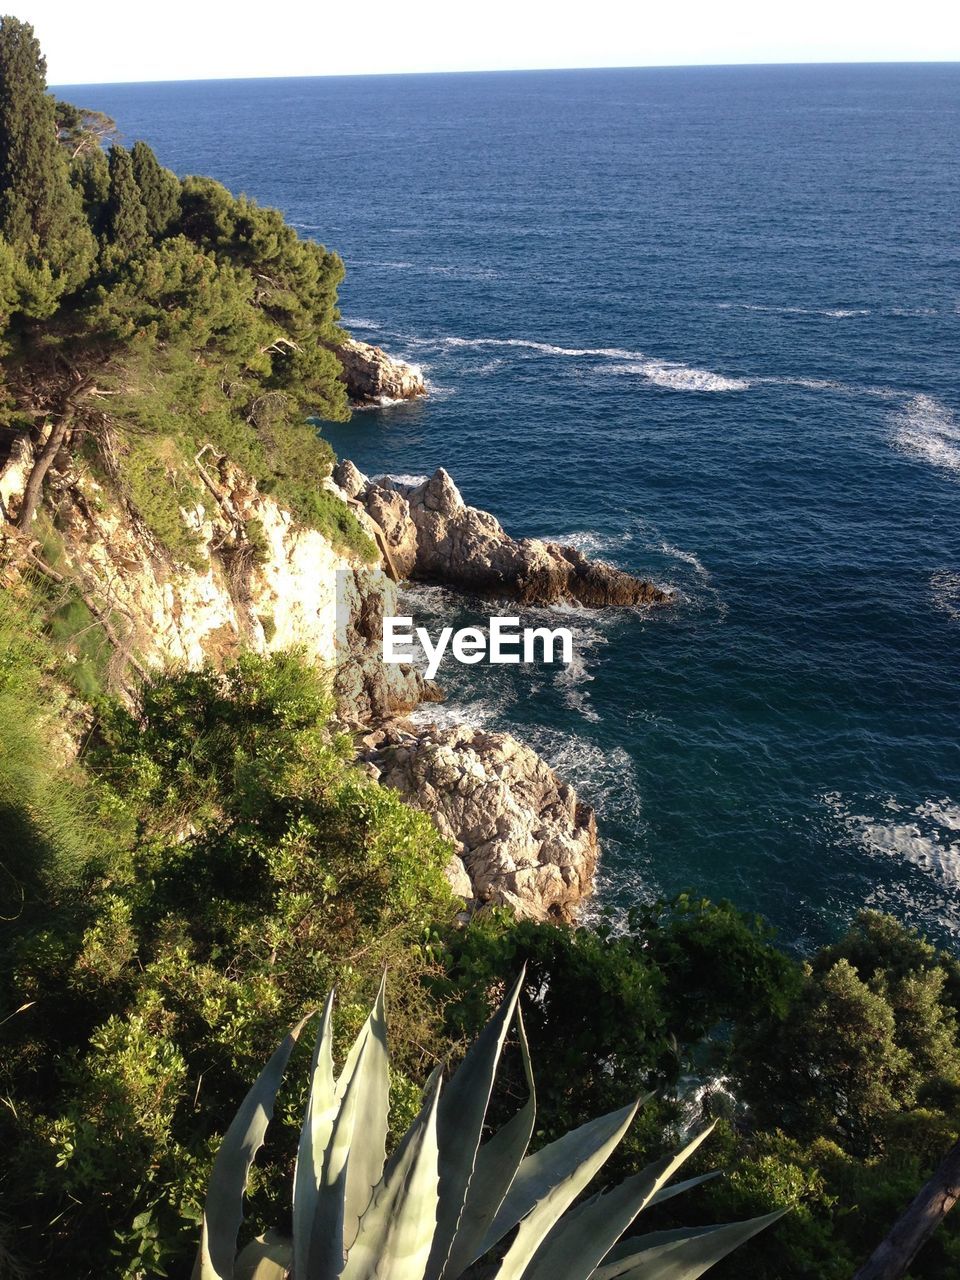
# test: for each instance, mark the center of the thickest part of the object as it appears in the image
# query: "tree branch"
(892, 1257)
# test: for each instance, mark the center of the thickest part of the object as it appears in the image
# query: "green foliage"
(324, 511)
(81, 130)
(257, 867)
(40, 213)
(837, 1080)
(155, 476)
(872, 1033)
(125, 217)
(443, 1200)
(90, 174)
(206, 321)
(53, 824)
(159, 189)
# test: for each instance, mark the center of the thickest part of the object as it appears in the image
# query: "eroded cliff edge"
(260, 580)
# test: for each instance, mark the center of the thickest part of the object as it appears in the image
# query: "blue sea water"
(704, 323)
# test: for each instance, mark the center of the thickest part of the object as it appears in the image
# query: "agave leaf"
(223, 1208)
(536, 1175)
(396, 1232)
(680, 1255)
(318, 1227)
(363, 1094)
(463, 1109)
(587, 1149)
(583, 1237)
(269, 1257)
(496, 1167)
(678, 1188)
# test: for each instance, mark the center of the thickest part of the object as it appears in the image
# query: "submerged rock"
(373, 377)
(522, 839)
(435, 537)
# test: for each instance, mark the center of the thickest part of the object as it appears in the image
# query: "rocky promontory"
(522, 838)
(372, 377)
(430, 534)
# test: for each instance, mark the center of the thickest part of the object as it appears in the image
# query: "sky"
(122, 40)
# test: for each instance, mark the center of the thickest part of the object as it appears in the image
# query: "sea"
(703, 323)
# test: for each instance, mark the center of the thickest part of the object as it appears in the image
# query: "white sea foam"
(428, 268)
(677, 377)
(926, 428)
(927, 836)
(359, 322)
(945, 590)
(832, 313)
(591, 543)
(687, 557)
(400, 477)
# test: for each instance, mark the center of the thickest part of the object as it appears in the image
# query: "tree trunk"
(34, 485)
(913, 1229)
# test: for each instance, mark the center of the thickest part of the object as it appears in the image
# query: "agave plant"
(444, 1199)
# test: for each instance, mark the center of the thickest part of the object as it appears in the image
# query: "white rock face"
(373, 377)
(284, 586)
(522, 838)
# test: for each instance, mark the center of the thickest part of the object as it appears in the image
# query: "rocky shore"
(374, 378)
(429, 534)
(522, 839)
(521, 836)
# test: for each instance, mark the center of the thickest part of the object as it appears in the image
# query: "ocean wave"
(945, 590)
(400, 477)
(926, 428)
(359, 322)
(832, 313)
(544, 348)
(927, 836)
(592, 543)
(687, 557)
(428, 269)
(675, 376)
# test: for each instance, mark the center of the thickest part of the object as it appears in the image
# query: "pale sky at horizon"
(120, 40)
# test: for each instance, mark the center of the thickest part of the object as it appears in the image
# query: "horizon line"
(486, 71)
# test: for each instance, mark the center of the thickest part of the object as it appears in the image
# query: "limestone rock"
(435, 537)
(294, 589)
(373, 377)
(521, 836)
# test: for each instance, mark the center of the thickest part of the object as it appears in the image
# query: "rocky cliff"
(374, 378)
(259, 580)
(432, 535)
(522, 838)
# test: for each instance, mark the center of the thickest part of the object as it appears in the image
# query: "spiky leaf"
(536, 1175)
(585, 1151)
(463, 1111)
(679, 1255)
(496, 1167)
(581, 1240)
(318, 1225)
(223, 1208)
(363, 1092)
(396, 1232)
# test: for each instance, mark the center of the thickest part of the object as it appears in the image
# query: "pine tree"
(90, 174)
(40, 212)
(159, 189)
(126, 217)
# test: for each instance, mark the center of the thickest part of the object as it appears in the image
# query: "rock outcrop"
(433, 536)
(259, 580)
(522, 838)
(373, 377)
